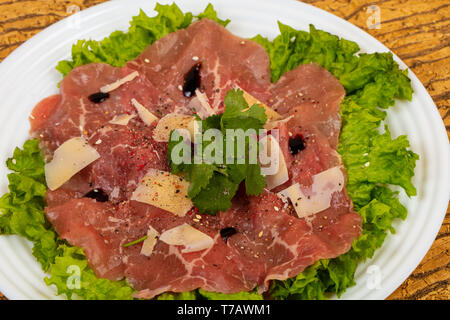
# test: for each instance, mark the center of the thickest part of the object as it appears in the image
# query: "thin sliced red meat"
(72, 114)
(126, 154)
(84, 217)
(226, 61)
(271, 241)
(314, 95)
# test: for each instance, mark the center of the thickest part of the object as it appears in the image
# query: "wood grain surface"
(417, 31)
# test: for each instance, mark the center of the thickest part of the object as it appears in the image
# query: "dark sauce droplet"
(225, 233)
(97, 194)
(98, 97)
(296, 144)
(192, 81)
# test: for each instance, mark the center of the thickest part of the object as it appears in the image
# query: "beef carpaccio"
(269, 240)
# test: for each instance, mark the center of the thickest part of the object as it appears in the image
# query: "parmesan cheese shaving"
(271, 114)
(274, 124)
(205, 110)
(146, 116)
(70, 158)
(122, 119)
(174, 121)
(317, 198)
(149, 244)
(185, 235)
(272, 162)
(113, 86)
(164, 190)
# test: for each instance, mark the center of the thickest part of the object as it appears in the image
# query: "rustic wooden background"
(417, 31)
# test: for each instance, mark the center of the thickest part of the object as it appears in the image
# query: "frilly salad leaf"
(339, 56)
(21, 210)
(72, 276)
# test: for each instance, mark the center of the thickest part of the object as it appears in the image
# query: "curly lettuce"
(373, 160)
(22, 208)
(72, 276)
(22, 213)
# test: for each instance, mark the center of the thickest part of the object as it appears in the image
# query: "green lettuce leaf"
(22, 213)
(211, 13)
(206, 295)
(22, 209)
(293, 47)
(72, 276)
(306, 286)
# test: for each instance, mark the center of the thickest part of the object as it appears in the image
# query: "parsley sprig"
(213, 185)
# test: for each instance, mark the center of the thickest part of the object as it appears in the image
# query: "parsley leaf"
(254, 181)
(22, 209)
(217, 195)
(237, 117)
(213, 185)
(200, 177)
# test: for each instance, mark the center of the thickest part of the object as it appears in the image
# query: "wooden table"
(417, 31)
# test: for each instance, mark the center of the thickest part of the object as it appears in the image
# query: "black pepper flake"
(98, 97)
(225, 233)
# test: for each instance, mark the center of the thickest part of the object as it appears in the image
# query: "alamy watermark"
(374, 19)
(236, 146)
(73, 21)
(74, 280)
(374, 277)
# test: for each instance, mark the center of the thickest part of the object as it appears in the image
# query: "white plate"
(28, 75)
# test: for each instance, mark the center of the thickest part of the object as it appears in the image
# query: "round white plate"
(28, 75)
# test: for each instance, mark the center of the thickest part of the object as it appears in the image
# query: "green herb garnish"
(132, 243)
(213, 185)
